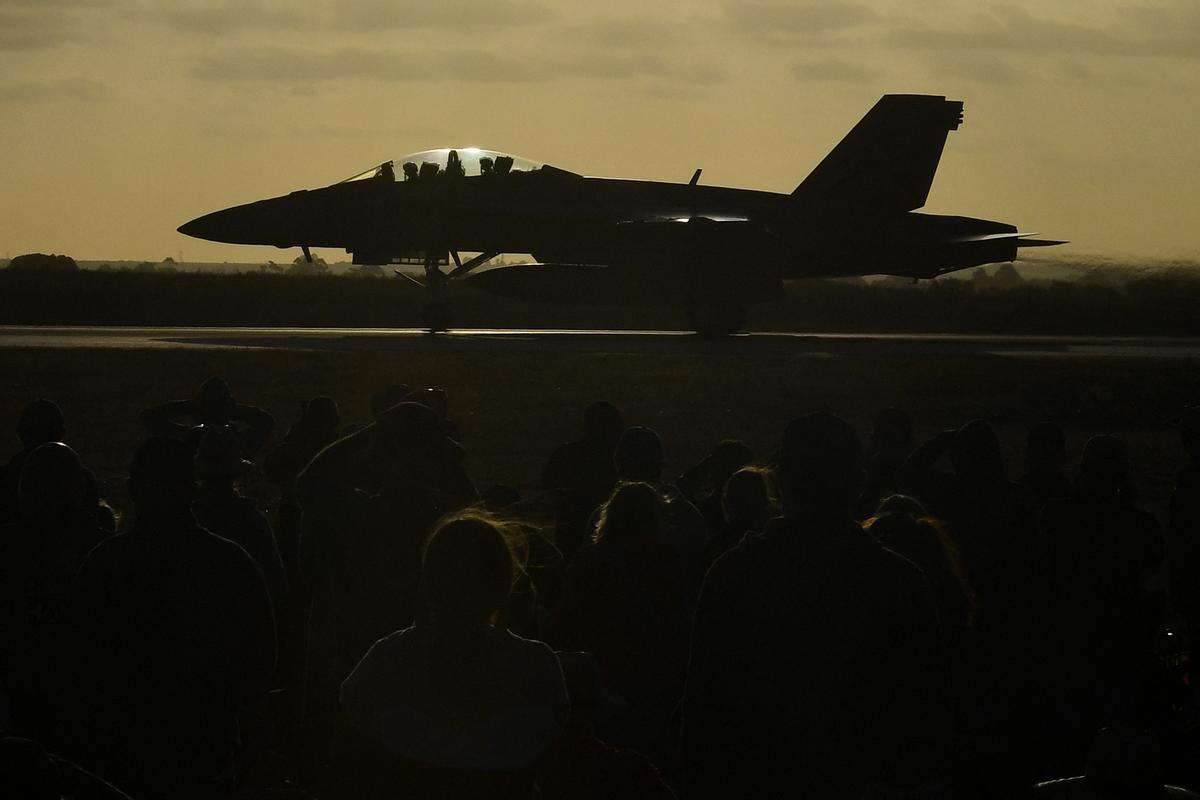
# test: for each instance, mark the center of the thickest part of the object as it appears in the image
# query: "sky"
(122, 119)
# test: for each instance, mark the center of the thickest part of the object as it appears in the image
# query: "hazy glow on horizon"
(123, 119)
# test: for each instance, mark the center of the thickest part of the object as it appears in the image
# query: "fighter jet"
(711, 249)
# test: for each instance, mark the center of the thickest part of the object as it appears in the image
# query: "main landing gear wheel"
(716, 318)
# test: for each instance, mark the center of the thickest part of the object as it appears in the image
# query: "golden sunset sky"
(122, 119)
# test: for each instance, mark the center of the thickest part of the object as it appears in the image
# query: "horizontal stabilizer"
(1040, 242)
(1022, 239)
(887, 161)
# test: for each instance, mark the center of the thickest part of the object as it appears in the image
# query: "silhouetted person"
(993, 522)
(1103, 550)
(747, 503)
(584, 767)
(221, 509)
(172, 633)
(454, 166)
(623, 601)
(890, 445)
(453, 706)
(902, 525)
(370, 500)
(816, 663)
(1183, 530)
(437, 401)
(40, 557)
(316, 428)
(410, 171)
(639, 457)
(1122, 765)
(41, 421)
(214, 404)
(1046, 453)
(581, 475)
(704, 483)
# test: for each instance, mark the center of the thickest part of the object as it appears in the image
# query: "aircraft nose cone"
(271, 222)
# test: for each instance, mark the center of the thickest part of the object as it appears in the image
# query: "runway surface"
(603, 341)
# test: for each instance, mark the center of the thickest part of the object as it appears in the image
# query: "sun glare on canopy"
(471, 160)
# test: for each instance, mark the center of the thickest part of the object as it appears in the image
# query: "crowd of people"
(895, 620)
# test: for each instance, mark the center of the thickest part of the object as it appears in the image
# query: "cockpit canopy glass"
(460, 161)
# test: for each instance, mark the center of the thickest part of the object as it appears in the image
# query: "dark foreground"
(1024, 648)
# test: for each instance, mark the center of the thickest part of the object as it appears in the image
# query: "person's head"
(820, 466)
(891, 433)
(215, 400)
(1046, 447)
(219, 454)
(602, 422)
(436, 400)
(631, 513)
(53, 485)
(1104, 466)
(321, 415)
(900, 504)
(466, 571)
(1189, 431)
(747, 501)
(975, 452)
(41, 421)
(639, 455)
(728, 457)
(162, 478)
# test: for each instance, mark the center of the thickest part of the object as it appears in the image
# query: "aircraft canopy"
(470, 160)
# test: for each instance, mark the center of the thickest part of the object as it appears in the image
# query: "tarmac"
(798, 343)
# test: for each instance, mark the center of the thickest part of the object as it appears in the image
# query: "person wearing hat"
(817, 666)
(221, 509)
(214, 404)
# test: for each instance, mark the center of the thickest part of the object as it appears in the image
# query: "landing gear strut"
(438, 313)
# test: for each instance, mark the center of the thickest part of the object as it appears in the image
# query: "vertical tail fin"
(887, 161)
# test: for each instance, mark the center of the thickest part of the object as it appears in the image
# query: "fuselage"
(562, 217)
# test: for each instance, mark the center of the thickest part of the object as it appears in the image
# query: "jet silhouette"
(713, 249)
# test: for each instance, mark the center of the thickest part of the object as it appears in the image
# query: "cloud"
(25, 29)
(224, 17)
(305, 66)
(1013, 30)
(984, 69)
(783, 23)
(623, 34)
(834, 69)
(71, 89)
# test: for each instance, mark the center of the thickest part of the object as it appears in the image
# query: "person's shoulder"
(749, 551)
(219, 549)
(525, 649)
